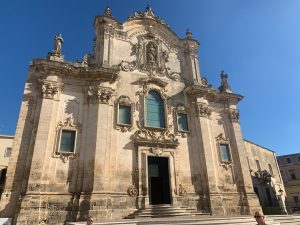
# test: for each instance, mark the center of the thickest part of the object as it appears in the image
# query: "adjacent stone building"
(6, 142)
(290, 171)
(266, 178)
(133, 124)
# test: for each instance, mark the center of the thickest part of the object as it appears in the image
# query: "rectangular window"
(288, 160)
(270, 169)
(7, 152)
(296, 199)
(224, 152)
(298, 158)
(67, 141)
(182, 122)
(124, 115)
(258, 165)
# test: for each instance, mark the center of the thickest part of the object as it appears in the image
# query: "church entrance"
(158, 180)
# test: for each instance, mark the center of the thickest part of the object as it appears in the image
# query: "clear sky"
(256, 42)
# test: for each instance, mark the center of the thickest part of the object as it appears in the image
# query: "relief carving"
(150, 58)
(132, 191)
(155, 137)
(182, 190)
(235, 115)
(203, 110)
(50, 89)
(99, 95)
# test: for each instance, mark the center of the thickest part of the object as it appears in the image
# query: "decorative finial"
(107, 11)
(224, 83)
(58, 40)
(189, 34)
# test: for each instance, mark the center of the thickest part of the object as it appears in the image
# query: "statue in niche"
(164, 59)
(58, 40)
(151, 54)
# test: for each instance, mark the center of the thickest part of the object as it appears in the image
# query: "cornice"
(65, 69)
(212, 94)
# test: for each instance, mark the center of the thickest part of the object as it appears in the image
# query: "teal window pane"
(155, 115)
(67, 141)
(124, 115)
(182, 122)
(224, 152)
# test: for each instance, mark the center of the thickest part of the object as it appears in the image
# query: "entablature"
(65, 69)
(212, 94)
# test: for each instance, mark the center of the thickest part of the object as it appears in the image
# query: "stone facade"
(266, 177)
(290, 171)
(6, 142)
(107, 175)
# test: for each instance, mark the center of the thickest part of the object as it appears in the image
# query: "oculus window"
(67, 141)
(155, 115)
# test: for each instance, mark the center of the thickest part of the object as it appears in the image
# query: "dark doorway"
(158, 180)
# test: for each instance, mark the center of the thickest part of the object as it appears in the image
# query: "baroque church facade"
(131, 125)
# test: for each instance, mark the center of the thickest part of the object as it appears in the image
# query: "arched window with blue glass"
(155, 112)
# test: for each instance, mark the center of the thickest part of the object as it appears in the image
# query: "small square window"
(124, 115)
(67, 141)
(288, 160)
(292, 174)
(182, 122)
(224, 152)
(7, 152)
(296, 199)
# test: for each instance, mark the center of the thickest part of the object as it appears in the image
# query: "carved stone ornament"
(224, 83)
(124, 101)
(96, 95)
(50, 89)
(132, 191)
(150, 58)
(148, 14)
(221, 139)
(155, 137)
(263, 176)
(226, 165)
(182, 190)
(68, 124)
(204, 82)
(156, 151)
(203, 110)
(235, 115)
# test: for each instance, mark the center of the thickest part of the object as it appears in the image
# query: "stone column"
(238, 151)
(206, 143)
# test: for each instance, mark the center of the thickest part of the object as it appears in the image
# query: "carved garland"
(67, 125)
(124, 101)
(220, 139)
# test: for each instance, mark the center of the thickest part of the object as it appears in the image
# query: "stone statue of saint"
(58, 40)
(151, 53)
(224, 83)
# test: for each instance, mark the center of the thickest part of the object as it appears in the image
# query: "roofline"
(260, 146)
(6, 136)
(288, 155)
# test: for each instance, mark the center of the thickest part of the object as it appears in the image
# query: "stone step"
(286, 219)
(198, 220)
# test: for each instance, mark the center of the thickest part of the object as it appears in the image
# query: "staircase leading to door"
(165, 210)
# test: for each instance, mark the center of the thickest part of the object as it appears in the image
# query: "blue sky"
(256, 43)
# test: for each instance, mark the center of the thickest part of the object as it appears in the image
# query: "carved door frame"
(143, 154)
